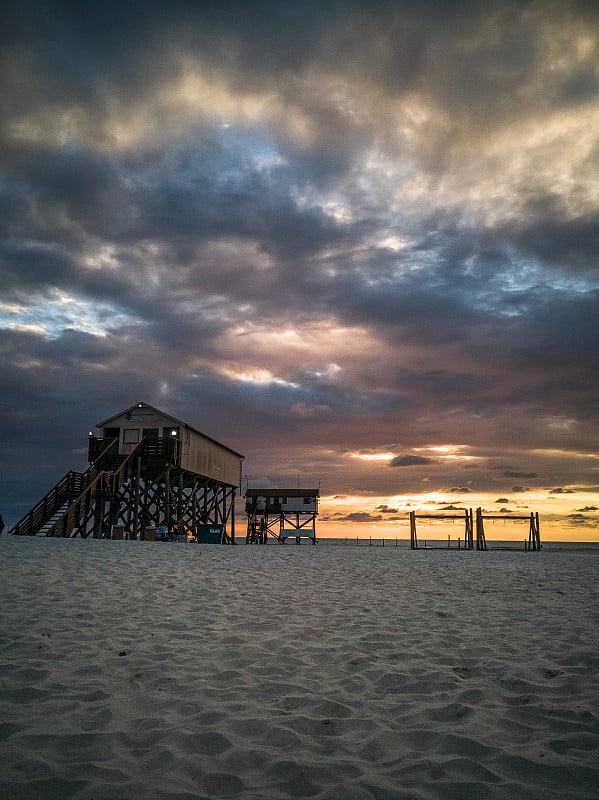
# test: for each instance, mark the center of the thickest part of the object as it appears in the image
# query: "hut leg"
(233, 496)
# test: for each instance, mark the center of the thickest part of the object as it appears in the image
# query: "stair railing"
(65, 490)
(76, 517)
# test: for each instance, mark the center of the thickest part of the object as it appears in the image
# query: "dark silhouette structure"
(147, 471)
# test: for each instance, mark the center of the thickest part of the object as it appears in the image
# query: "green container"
(209, 534)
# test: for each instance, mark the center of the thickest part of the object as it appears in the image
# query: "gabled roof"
(106, 423)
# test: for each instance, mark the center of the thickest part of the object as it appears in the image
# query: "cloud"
(579, 520)
(340, 228)
(409, 461)
(360, 516)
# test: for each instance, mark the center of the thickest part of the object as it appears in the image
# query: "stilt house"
(148, 472)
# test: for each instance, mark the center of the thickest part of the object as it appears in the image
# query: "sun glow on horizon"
(387, 516)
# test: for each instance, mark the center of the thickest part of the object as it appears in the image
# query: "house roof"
(105, 423)
(282, 492)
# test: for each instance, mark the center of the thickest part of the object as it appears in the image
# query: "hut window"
(284, 501)
(307, 501)
(131, 436)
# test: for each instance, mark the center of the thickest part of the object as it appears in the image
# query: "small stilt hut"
(281, 514)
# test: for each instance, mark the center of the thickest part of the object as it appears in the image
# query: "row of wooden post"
(534, 534)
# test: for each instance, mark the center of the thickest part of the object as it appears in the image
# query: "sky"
(356, 242)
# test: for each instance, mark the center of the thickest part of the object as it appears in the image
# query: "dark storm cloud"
(569, 244)
(409, 461)
(582, 85)
(409, 188)
(170, 197)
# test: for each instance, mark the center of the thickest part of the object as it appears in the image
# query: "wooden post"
(413, 536)
(136, 499)
(180, 506)
(99, 510)
(480, 530)
(468, 541)
(233, 495)
(534, 536)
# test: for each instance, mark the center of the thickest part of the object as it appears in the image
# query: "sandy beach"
(149, 670)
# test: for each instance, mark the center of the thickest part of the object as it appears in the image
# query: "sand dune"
(148, 670)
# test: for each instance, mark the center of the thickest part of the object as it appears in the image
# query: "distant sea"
(441, 544)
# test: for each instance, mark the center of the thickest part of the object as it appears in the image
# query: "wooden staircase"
(60, 496)
(61, 506)
(79, 504)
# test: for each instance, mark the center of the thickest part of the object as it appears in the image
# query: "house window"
(131, 436)
(307, 501)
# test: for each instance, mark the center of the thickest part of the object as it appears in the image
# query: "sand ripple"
(172, 672)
